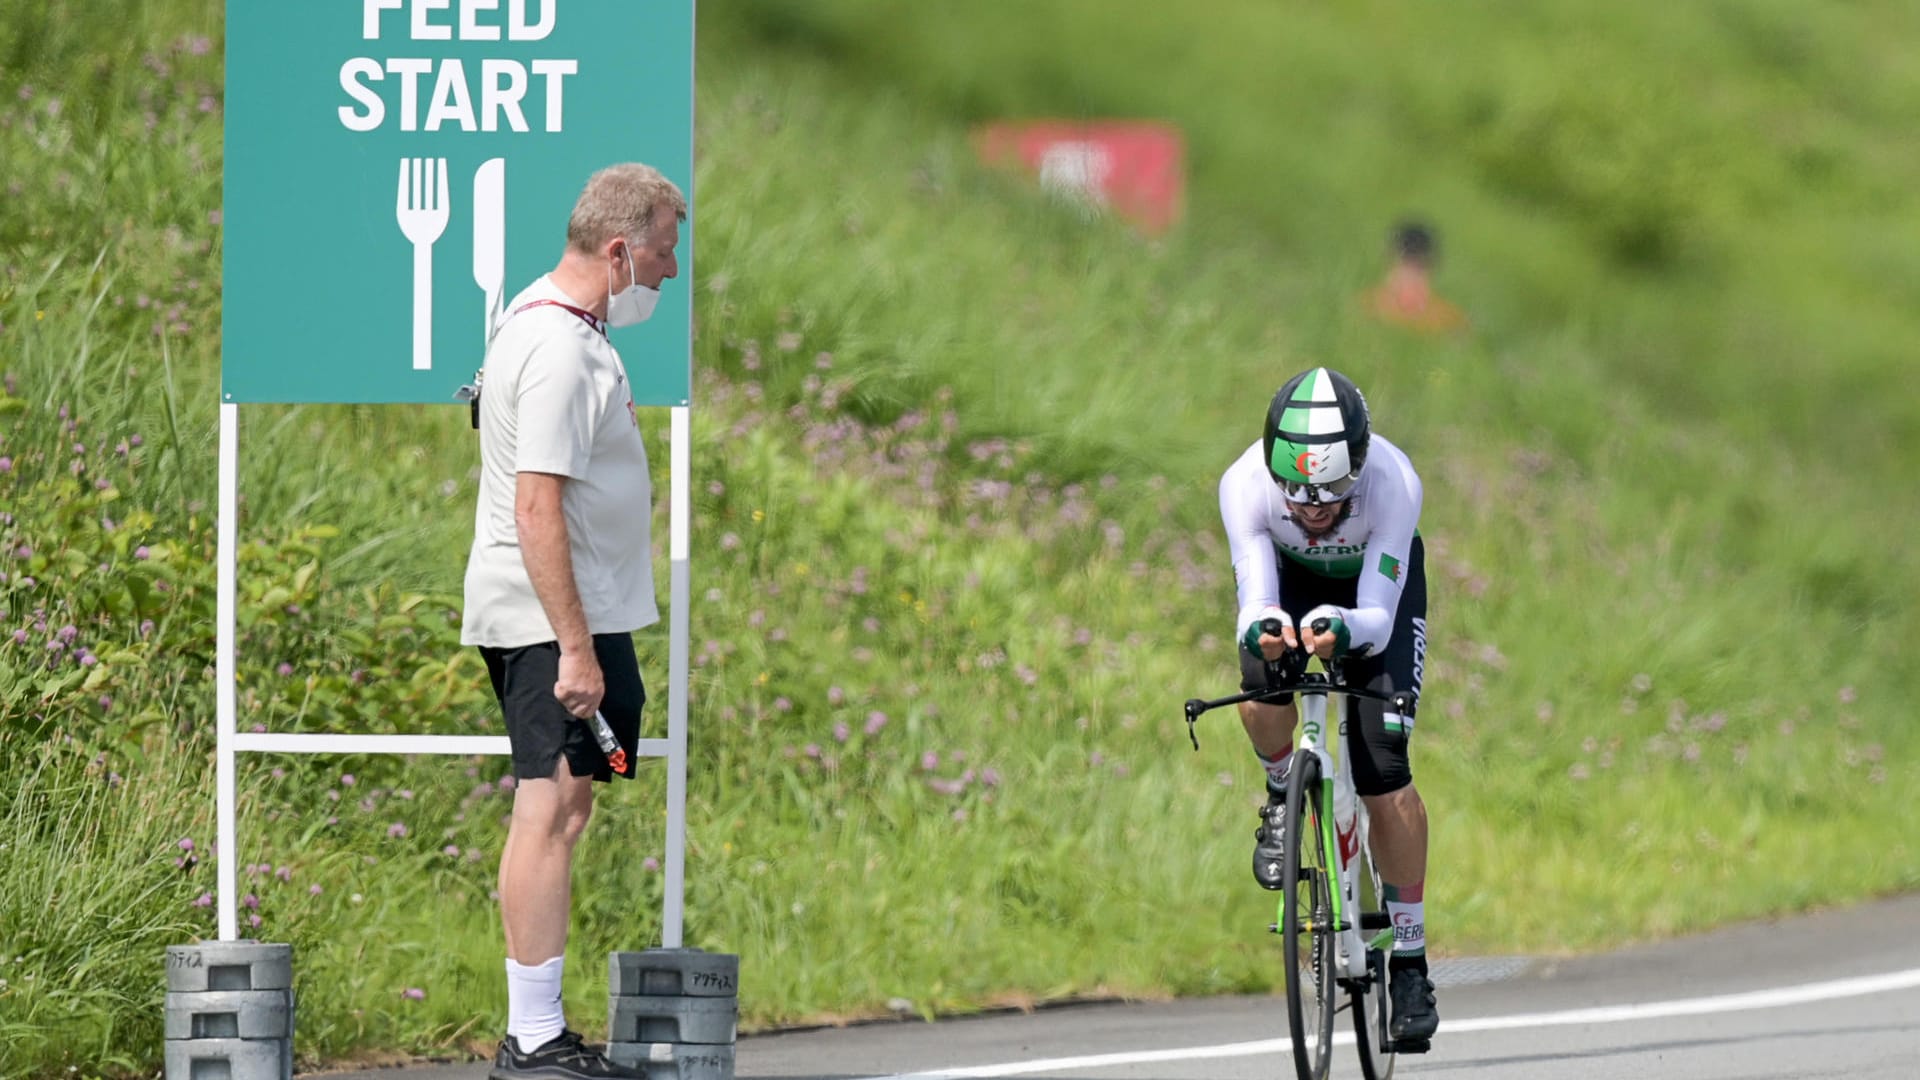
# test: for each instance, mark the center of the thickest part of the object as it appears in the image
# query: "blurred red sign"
(1136, 168)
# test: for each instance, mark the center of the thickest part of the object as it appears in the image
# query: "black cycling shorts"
(1377, 745)
(540, 729)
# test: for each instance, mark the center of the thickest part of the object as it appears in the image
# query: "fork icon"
(422, 211)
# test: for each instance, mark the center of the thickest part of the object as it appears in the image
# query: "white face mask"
(635, 305)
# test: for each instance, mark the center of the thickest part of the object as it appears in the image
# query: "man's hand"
(1331, 643)
(580, 685)
(1273, 648)
(1256, 639)
(1320, 645)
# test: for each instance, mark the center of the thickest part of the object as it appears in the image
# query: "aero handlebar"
(1295, 679)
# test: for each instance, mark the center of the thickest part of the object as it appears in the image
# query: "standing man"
(1321, 518)
(561, 574)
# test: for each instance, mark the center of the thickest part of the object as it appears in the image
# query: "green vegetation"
(955, 534)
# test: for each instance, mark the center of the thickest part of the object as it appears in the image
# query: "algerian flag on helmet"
(1317, 429)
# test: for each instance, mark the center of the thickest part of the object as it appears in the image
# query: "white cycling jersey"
(1370, 543)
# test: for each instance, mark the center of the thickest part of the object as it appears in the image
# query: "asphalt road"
(1827, 995)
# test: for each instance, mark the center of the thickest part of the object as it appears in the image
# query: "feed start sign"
(396, 170)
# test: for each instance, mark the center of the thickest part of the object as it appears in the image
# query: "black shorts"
(540, 728)
(1377, 745)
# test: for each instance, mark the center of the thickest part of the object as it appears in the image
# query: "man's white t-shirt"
(555, 399)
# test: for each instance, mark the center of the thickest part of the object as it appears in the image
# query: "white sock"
(1409, 927)
(1276, 767)
(534, 1018)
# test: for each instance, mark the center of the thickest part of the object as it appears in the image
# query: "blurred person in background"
(1321, 516)
(561, 574)
(1406, 297)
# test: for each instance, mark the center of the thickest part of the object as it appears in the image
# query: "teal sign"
(397, 170)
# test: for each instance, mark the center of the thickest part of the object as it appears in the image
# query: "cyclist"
(1320, 517)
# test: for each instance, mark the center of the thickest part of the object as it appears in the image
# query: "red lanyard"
(583, 314)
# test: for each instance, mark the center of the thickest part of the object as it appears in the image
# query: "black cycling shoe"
(1269, 840)
(1415, 1018)
(567, 1057)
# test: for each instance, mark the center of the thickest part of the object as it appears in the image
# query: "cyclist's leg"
(1382, 768)
(1270, 727)
(1383, 776)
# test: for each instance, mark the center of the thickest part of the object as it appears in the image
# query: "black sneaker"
(1269, 841)
(565, 1058)
(1414, 1017)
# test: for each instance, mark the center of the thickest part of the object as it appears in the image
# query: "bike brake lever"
(1193, 709)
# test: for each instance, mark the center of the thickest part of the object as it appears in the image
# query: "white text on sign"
(451, 103)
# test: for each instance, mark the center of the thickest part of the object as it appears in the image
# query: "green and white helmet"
(1316, 435)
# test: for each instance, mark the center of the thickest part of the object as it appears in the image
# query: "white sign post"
(385, 140)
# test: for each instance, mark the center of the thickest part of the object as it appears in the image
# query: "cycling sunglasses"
(1331, 492)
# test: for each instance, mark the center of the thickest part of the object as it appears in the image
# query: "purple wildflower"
(414, 993)
(142, 552)
(205, 899)
(875, 721)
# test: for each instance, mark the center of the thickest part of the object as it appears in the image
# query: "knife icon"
(490, 235)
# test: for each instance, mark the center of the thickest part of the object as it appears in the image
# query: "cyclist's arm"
(1383, 571)
(1256, 573)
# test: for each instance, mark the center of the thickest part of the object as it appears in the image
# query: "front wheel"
(1306, 923)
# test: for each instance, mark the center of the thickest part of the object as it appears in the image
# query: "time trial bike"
(1332, 920)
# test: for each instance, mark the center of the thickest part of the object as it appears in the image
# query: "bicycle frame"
(1350, 948)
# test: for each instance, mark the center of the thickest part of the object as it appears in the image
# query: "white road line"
(1607, 1014)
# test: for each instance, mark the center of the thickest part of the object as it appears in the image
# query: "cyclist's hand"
(1329, 642)
(1269, 633)
(1273, 648)
(580, 685)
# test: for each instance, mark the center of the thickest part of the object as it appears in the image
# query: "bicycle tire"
(1307, 913)
(1370, 1005)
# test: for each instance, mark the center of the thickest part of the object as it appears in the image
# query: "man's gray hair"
(621, 200)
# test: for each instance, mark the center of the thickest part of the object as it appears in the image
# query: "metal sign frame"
(231, 742)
